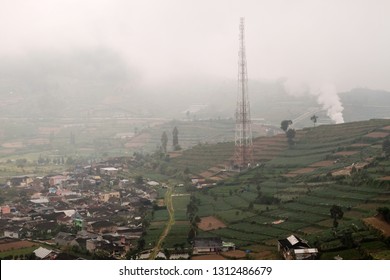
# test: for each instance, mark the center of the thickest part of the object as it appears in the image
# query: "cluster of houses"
(91, 208)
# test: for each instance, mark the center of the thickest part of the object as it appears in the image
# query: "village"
(89, 210)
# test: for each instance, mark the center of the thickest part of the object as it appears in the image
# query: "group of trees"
(192, 209)
(384, 212)
(285, 125)
(175, 140)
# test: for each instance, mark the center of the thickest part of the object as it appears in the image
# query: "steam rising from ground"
(330, 102)
(326, 95)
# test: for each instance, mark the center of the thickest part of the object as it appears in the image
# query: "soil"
(234, 254)
(324, 163)
(303, 170)
(208, 257)
(379, 224)
(377, 134)
(210, 223)
(12, 245)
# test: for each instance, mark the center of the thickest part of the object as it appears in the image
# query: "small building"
(102, 227)
(43, 253)
(104, 197)
(295, 248)
(64, 239)
(110, 171)
(57, 180)
(207, 245)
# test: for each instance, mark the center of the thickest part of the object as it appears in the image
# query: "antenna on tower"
(243, 154)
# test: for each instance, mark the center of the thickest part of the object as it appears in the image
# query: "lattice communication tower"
(243, 155)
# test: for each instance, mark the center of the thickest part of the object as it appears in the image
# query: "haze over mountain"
(165, 59)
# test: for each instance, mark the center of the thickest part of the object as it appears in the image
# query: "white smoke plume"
(331, 102)
(326, 94)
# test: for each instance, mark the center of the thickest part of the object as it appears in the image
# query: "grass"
(18, 252)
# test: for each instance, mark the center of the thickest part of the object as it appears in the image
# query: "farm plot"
(153, 233)
(236, 202)
(239, 236)
(233, 215)
(160, 215)
(309, 218)
(316, 209)
(180, 206)
(177, 235)
(267, 230)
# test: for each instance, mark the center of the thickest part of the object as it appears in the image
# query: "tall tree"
(314, 119)
(164, 141)
(175, 139)
(285, 124)
(290, 133)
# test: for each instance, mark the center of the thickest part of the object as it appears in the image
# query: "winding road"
(170, 222)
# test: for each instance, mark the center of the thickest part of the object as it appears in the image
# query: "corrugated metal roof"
(292, 239)
(42, 252)
(306, 251)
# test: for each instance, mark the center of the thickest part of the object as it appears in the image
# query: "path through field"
(171, 221)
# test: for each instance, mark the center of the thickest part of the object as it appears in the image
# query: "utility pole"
(243, 154)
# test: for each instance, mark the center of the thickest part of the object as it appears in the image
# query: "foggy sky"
(339, 42)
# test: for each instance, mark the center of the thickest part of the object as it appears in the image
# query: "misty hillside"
(363, 104)
(100, 83)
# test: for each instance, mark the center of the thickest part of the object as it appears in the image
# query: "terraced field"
(305, 198)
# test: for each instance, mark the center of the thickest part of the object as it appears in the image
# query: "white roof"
(109, 169)
(42, 252)
(292, 239)
(306, 251)
(40, 200)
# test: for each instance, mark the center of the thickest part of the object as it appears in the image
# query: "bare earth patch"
(235, 254)
(304, 170)
(379, 224)
(359, 145)
(13, 145)
(13, 245)
(324, 163)
(386, 128)
(175, 154)
(208, 257)
(377, 135)
(210, 223)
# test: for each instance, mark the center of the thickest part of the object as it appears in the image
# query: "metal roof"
(292, 239)
(42, 252)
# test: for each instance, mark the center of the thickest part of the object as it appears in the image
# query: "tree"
(285, 124)
(336, 213)
(290, 136)
(314, 119)
(384, 212)
(164, 141)
(175, 139)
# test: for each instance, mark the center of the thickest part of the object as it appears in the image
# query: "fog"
(185, 52)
